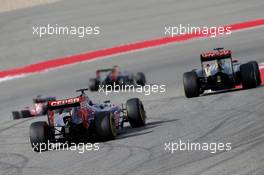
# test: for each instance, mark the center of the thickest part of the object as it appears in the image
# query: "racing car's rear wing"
(66, 103)
(104, 70)
(215, 55)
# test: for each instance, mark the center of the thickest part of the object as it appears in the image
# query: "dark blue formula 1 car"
(113, 76)
(78, 118)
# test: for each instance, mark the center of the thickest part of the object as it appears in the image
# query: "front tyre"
(136, 113)
(26, 114)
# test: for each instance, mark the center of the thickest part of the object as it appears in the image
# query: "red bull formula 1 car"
(220, 72)
(39, 108)
(79, 119)
(113, 76)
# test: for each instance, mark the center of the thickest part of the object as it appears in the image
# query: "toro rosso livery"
(113, 76)
(79, 119)
(220, 72)
(39, 108)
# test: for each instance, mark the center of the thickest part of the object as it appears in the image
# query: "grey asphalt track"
(120, 22)
(235, 117)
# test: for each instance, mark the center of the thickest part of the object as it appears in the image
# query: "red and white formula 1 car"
(39, 108)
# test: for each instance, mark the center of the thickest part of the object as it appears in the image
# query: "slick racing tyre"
(39, 136)
(25, 114)
(135, 113)
(257, 72)
(141, 79)
(94, 84)
(249, 77)
(191, 85)
(105, 126)
(16, 115)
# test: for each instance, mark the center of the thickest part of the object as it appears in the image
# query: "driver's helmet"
(37, 99)
(38, 96)
(116, 67)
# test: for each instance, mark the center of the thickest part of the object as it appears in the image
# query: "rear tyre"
(141, 78)
(136, 113)
(191, 85)
(249, 77)
(94, 84)
(257, 72)
(39, 136)
(16, 115)
(105, 126)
